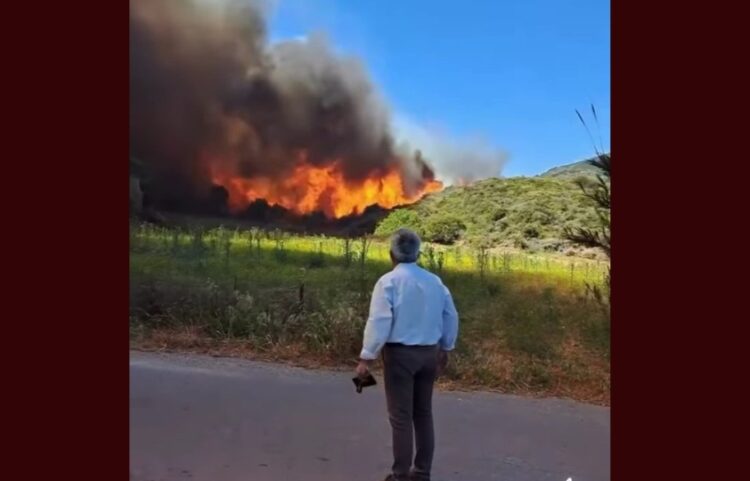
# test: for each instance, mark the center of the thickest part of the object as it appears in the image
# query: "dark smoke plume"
(208, 91)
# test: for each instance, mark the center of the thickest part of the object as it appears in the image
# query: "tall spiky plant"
(600, 193)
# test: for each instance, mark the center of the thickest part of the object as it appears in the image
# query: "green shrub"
(531, 232)
(501, 209)
(444, 230)
(400, 218)
(499, 214)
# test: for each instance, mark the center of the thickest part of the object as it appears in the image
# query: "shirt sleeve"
(450, 323)
(379, 322)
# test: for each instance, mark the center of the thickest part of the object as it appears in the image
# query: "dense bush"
(531, 232)
(444, 229)
(400, 218)
(507, 212)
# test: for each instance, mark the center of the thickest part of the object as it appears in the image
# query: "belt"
(415, 346)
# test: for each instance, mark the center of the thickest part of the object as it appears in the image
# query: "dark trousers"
(409, 373)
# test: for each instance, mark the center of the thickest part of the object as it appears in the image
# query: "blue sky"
(509, 72)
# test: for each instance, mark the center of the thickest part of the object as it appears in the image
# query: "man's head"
(404, 246)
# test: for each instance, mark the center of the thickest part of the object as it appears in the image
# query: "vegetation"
(598, 192)
(530, 213)
(575, 171)
(444, 229)
(527, 324)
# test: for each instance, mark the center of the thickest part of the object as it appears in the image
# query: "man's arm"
(379, 322)
(450, 332)
(450, 323)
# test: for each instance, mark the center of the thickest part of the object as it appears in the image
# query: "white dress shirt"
(410, 306)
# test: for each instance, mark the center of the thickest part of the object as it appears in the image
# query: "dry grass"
(590, 385)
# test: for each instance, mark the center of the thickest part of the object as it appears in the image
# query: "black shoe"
(392, 477)
(417, 477)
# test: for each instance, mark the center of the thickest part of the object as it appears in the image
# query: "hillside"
(572, 171)
(521, 212)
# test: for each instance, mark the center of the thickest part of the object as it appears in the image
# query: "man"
(414, 322)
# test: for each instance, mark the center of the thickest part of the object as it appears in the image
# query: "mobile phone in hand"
(363, 382)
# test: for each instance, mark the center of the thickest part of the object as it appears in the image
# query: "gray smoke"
(457, 161)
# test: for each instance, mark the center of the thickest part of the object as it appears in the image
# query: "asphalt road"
(210, 419)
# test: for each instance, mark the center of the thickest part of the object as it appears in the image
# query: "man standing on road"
(414, 322)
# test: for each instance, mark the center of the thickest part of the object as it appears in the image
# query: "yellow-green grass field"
(529, 324)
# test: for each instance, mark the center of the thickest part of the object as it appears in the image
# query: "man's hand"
(363, 368)
(442, 362)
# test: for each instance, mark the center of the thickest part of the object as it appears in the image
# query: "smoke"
(208, 93)
(456, 161)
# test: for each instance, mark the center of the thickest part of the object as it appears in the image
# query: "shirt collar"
(405, 265)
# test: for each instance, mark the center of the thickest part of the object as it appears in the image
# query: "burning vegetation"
(226, 122)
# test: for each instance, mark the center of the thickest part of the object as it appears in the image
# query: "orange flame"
(309, 188)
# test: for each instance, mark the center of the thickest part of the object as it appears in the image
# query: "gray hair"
(405, 245)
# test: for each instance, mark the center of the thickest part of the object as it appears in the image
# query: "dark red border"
(65, 148)
(677, 163)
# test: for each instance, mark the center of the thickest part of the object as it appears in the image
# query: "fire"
(311, 188)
